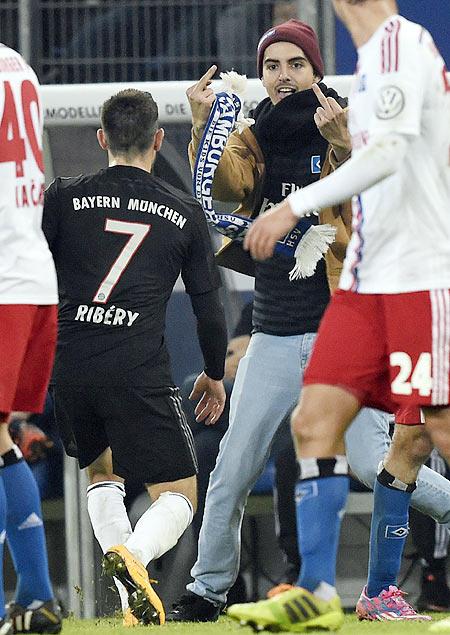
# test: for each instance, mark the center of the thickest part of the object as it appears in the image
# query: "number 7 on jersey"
(137, 232)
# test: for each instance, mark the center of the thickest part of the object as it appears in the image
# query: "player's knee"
(97, 474)
(299, 424)
(311, 426)
(102, 469)
(190, 492)
(193, 501)
(304, 425)
(186, 487)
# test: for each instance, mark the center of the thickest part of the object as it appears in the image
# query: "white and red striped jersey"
(401, 237)
(27, 272)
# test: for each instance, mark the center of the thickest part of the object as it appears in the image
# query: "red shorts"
(27, 350)
(409, 416)
(387, 350)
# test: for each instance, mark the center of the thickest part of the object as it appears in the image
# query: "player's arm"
(376, 162)
(211, 331)
(379, 160)
(202, 281)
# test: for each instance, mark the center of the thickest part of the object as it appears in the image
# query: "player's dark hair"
(129, 120)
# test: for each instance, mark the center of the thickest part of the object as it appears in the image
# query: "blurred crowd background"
(83, 41)
(77, 41)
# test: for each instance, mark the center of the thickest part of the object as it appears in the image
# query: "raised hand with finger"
(331, 121)
(201, 97)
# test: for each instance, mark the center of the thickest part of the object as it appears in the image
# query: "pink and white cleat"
(389, 606)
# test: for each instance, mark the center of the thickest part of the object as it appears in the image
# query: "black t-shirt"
(294, 152)
(244, 325)
(120, 238)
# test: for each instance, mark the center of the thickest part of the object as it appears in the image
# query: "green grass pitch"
(352, 626)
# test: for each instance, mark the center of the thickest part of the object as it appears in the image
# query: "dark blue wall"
(433, 14)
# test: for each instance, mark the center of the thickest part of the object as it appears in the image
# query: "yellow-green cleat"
(145, 605)
(296, 611)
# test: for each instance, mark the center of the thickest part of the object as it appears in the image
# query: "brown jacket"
(239, 178)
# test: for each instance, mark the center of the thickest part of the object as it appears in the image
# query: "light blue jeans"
(266, 388)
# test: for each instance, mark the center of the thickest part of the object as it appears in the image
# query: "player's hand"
(201, 97)
(211, 394)
(267, 229)
(331, 121)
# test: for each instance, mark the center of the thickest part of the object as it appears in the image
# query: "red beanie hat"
(297, 33)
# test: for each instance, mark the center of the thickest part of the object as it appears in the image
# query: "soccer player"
(120, 239)
(28, 314)
(393, 305)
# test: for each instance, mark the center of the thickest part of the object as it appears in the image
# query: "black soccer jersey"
(120, 238)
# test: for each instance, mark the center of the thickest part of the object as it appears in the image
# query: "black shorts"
(146, 429)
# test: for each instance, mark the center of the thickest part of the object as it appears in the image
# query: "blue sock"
(2, 543)
(320, 505)
(25, 530)
(388, 533)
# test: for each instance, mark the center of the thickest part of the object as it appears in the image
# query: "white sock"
(109, 520)
(160, 527)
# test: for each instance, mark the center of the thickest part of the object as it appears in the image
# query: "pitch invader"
(394, 292)
(116, 405)
(28, 298)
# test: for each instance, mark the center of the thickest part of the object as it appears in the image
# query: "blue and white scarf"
(307, 248)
